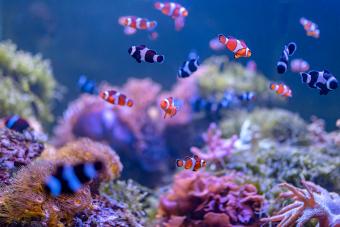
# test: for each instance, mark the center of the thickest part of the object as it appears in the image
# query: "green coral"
(278, 124)
(138, 200)
(234, 77)
(27, 84)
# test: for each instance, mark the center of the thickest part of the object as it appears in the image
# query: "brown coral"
(198, 198)
(24, 199)
(311, 202)
(16, 149)
(87, 150)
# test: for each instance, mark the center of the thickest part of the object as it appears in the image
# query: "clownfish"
(193, 163)
(238, 47)
(189, 66)
(310, 27)
(170, 106)
(69, 179)
(288, 50)
(16, 123)
(142, 53)
(324, 81)
(137, 23)
(299, 65)
(116, 98)
(172, 9)
(281, 89)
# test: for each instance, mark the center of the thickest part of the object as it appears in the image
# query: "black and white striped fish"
(142, 53)
(68, 179)
(247, 96)
(288, 50)
(324, 81)
(189, 67)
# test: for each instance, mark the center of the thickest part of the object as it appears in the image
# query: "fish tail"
(222, 39)
(159, 58)
(179, 163)
(159, 5)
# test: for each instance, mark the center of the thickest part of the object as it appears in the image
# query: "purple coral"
(216, 148)
(16, 149)
(311, 202)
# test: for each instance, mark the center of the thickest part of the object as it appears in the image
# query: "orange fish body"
(170, 106)
(194, 163)
(137, 23)
(239, 48)
(281, 89)
(116, 98)
(172, 9)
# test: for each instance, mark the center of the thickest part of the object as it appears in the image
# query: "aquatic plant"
(139, 201)
(25, 200)
(202, 199)
(313, 202)
(216, 148)
(27, 83)
(16, 150)
(277, 124)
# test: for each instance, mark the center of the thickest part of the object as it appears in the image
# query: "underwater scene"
(184, 113)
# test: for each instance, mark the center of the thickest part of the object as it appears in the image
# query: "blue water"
(84, 37)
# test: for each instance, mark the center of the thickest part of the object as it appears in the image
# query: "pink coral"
(311, 202)
(216, 148)
(199, 199)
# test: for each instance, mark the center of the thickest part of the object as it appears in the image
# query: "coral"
(198, 198)
(16, 150)
(27, 84)
(87, 150)
(216, 148)
(24, 200)
(105, 212)
(138, 200)
(278, 124)
(311, 202)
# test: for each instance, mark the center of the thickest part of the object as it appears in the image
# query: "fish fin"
(139, 60)
(323, 88)
(196, 157)
(165, 114)
(243, 43)
(236, 56)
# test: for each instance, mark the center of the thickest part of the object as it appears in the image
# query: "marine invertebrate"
(24, 199)
(198, 198)
(309, 203)
(27, 83)
(86, 150)
(16, 150)
(216, 148)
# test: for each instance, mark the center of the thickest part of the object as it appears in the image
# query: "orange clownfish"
(281, 89)
(116, 98)
(172, 9)
(137, 23)
(310, 27)
(238, 47)
(170, 106)
(194, 163)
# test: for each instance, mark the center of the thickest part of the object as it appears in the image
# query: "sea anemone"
(313, 202)
(199, 198)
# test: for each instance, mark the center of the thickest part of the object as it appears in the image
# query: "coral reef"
(201, 199)
(105, 212)
(24, 199)
(309, 203)
(27, 84)
(216, 148)
(16, 150)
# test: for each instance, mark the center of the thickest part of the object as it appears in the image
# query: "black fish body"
(324, 81)
(188, 67)
(288, 50)
(142, 53)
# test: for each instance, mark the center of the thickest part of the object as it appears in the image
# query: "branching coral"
(216, 148)
(27, 83)
(201, 199)
(311, 202)
(24, 199)
(16, 150)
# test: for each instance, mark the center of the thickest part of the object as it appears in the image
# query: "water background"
(83, 36)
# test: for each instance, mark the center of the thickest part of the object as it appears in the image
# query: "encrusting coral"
(25, 200)
(16, 150)
(27, 85)
(313, 202)
(201, 199)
